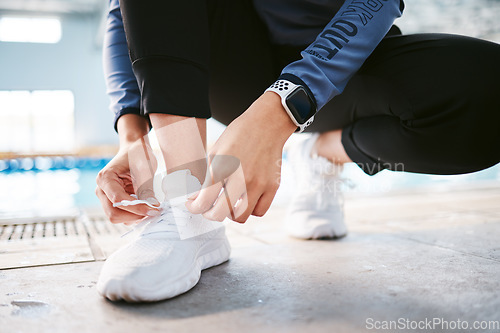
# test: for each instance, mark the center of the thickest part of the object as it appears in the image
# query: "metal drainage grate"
(57, 240)
(59, 228)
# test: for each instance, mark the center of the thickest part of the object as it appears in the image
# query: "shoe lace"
(170, 217)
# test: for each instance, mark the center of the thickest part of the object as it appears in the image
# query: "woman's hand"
(256, 139)
(131, 171)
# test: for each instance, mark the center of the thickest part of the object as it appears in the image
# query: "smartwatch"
(296, 101)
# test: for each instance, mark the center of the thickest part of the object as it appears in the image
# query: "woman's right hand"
(131, 171)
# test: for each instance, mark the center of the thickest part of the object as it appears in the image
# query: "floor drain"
(25, 243)
(56, 228)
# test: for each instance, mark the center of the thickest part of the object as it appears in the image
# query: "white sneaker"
(167, 257)
(316, 209)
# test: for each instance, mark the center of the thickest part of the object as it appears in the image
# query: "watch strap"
(284, 88)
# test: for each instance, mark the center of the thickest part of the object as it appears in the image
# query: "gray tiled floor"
(416, 255)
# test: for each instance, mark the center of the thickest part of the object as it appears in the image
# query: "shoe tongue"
(179, 185)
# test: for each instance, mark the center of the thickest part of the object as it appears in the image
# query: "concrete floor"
(418, 256)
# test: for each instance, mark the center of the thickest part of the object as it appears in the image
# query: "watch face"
(300, 105)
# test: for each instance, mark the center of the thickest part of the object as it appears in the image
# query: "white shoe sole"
(320, 232)
(213, 253)
(330, 230)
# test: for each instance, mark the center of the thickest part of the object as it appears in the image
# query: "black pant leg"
(423, 103)
(169, 48)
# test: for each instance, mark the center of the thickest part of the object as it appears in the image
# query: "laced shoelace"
(170, 216)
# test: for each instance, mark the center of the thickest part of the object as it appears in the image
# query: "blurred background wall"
(74, 63)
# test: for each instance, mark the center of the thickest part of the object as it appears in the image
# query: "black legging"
(427, 103)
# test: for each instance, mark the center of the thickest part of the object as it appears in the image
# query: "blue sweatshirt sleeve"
(121, 83)
(342, 47)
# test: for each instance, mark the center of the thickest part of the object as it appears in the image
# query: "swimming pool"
(64, 186)
(46, 186)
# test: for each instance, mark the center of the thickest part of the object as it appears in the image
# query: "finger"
(233, 188)
(223, 207)
(205, 199)
(241, 206)
(220, 168)
(242, 217)
(232, 191)
(116, 215)
(113, 188)
(264, 203)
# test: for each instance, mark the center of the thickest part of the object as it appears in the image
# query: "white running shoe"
(167, 257)
(316, 209)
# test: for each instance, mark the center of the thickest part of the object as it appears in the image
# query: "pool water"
(47, 193)
(44, 186)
